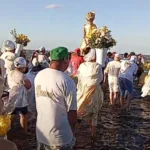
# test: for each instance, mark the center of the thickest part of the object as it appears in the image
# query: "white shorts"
(113, 86)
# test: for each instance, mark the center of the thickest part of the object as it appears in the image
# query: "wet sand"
(116, 130)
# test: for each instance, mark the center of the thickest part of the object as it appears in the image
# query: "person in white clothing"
(7, 58)
(18, 88)
(41, 57)
(112, 71)
(56, 104)
(4, 144)
(127, 72)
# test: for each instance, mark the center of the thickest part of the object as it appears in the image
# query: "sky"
(53, 23)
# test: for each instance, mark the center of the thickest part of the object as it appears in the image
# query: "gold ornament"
(5, 123)
(90, 15)
(89, 28)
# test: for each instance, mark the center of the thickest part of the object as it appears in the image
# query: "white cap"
(20, 62)
(41, 49)
(8, 46)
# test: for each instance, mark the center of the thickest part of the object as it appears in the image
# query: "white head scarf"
(41, 49)
(9, 61)
(20, 62)
(8, 46)
(133, 59)
(90, 56)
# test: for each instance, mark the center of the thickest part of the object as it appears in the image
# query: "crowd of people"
(62, 88)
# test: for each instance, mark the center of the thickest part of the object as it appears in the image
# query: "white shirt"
(17, 91)
(69, 70)
(55, 96)
(41, 58)
(128, 70)
(113, 69)
(31, 93)
(7, 65)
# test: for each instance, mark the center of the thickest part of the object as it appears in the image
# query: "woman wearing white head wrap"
(19, 86)
(89, 92)
(20, 62)
(90, 56)
(7, 58)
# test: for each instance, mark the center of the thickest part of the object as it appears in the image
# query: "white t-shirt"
(128, 70)
(113, 69)
(55, 96)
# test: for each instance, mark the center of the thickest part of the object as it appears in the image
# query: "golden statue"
(88, 28)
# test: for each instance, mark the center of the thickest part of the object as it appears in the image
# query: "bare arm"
(27, 84)
(72, 117)
(71, 103)
(105, 77)
(106, 73)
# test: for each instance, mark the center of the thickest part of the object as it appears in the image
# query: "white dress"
(17, 91)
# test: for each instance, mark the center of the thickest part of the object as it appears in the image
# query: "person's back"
(113, 69)
(90, 73)
(128, 70)
(52, 102)
(75, 63)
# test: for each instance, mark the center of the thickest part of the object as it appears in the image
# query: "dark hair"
(125, 55)
(132, 54)
(86, 50)
(109, 54)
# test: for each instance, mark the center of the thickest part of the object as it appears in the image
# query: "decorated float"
(99, 39)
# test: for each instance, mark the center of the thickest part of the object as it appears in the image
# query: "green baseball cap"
(59, 53)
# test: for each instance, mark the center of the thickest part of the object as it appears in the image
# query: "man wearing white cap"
(112, 70)
(7, 58)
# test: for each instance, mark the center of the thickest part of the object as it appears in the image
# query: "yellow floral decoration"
(5, 123)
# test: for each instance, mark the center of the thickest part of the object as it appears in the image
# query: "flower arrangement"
(20, 38)
(101, 38)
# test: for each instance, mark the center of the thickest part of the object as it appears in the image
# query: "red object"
(77, 51)
(75, 63)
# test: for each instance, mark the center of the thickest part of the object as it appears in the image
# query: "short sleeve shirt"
(113, 69)
(129, 71)
(55, 96)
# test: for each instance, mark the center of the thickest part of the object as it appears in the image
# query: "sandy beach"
(116, 130)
